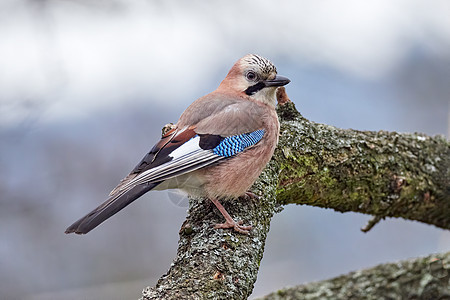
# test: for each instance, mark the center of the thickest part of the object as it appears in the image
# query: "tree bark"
(422, 278)
(379, 173)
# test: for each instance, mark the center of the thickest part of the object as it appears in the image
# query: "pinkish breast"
(233, 177)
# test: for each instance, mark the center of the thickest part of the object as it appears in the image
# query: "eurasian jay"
(217, 149)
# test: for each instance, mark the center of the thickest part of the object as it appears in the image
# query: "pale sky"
(75, 57)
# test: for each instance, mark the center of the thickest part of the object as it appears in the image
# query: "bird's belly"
(232, 178)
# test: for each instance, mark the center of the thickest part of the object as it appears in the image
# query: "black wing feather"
(209, 141)
(160, 152)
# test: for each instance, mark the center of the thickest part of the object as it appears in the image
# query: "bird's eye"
(251, 76)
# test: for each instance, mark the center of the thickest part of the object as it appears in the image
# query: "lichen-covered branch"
(422, 278)
(385, 174)
(378, 173)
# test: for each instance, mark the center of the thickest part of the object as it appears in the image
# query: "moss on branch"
(385, 174)
(420, 278)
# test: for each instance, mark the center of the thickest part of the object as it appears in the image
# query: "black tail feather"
(108, 209)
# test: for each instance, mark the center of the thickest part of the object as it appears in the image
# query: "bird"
(217, 149)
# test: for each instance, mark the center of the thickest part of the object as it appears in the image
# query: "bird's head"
(256, 77)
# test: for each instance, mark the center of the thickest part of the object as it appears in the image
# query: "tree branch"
(422, 278)
(379, 173)
(385, 174)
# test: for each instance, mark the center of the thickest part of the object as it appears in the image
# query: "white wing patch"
(186, 158)
(186, 148)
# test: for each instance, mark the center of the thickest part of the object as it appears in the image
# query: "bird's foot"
(237, 226)
(229, 222)
(248, 195)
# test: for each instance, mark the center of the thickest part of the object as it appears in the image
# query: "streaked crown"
(259, 63)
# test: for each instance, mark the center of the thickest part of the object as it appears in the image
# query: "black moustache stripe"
(255, 88)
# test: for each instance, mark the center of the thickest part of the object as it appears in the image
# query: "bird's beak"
(277, 81)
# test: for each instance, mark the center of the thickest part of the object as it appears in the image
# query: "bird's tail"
(108, 208)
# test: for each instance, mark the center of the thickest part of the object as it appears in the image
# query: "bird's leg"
(229, 222)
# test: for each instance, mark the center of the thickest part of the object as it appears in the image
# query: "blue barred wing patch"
(237, 143)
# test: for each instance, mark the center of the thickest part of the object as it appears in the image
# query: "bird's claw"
(237, 226)
(248, 195)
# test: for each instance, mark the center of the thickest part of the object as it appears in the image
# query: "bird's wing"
(190, 148)
(159, 155)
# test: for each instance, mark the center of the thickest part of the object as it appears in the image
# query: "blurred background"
(86, 86)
